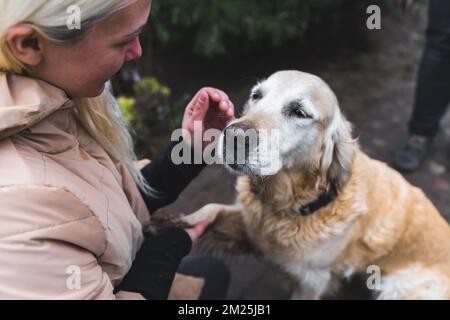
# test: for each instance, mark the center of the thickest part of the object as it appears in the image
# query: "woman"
(73, 203)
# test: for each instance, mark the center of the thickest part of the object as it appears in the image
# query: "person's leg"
(432, 90)
(433, 83)
(214, 271)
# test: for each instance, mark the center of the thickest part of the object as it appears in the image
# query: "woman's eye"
(123, 44)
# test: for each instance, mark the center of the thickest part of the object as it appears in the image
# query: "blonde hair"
(101, 116)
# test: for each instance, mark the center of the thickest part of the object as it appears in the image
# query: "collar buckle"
(322, 201)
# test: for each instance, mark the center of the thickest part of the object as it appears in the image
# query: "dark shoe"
(412, 156)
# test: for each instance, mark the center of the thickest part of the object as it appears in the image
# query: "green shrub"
(217, 27)
(127, 106)
(152, 114)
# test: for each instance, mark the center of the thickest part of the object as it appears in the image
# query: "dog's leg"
(414, 283)
(208, 213)
(226, 233)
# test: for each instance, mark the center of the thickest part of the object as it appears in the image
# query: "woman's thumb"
(201, 227)
(198, 230)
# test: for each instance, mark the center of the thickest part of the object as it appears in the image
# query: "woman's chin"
(91, 92)
(95, 93)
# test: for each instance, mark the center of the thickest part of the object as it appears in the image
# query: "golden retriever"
(327, 211)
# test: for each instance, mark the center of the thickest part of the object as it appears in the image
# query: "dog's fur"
(378, 218)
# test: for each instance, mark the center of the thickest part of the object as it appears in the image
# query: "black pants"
(433, 83)
(214, 272)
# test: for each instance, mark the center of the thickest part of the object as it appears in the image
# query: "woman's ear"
(338, 152)
(25, 45)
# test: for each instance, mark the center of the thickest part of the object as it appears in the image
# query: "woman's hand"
(211, 109)
(197, 231)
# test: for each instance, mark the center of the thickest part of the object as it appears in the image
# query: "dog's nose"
(236, 130)
(237, 142)
(239, 125)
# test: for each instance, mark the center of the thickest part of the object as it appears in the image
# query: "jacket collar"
(25, 101)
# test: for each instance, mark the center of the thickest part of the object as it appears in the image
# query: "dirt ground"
(375, 90)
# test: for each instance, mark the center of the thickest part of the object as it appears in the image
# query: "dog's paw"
(180, 221)
(162, 222)
(207, 213)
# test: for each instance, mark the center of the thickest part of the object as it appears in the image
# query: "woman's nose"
(134, 51)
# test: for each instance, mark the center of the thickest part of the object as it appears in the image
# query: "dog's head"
(291, 120)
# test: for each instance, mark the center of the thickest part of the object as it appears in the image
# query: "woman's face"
(82, 69)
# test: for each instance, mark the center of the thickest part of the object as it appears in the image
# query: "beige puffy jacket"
(71, 218)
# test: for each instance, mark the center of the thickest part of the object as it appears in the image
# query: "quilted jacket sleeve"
(49, 244)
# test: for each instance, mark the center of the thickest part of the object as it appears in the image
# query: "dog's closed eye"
(296, 109)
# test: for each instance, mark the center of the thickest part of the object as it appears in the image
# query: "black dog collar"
(322, 201)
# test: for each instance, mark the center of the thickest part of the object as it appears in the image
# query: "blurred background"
(231, 44)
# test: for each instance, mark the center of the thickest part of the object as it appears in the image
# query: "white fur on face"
(270, 107)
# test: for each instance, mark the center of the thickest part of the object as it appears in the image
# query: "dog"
(328, 211)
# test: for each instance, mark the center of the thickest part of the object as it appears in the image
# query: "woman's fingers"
(212, 104)
(216, 94)
(225, 103)
(230, 112)
(219, 98)
(201, 105)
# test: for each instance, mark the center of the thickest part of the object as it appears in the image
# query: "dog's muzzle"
(239, 140)
(250, 151)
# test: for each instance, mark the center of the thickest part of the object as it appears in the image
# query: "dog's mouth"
(236, 159)
(237, 150)
(242, 169)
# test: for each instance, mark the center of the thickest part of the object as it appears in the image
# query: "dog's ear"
(338, 152)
